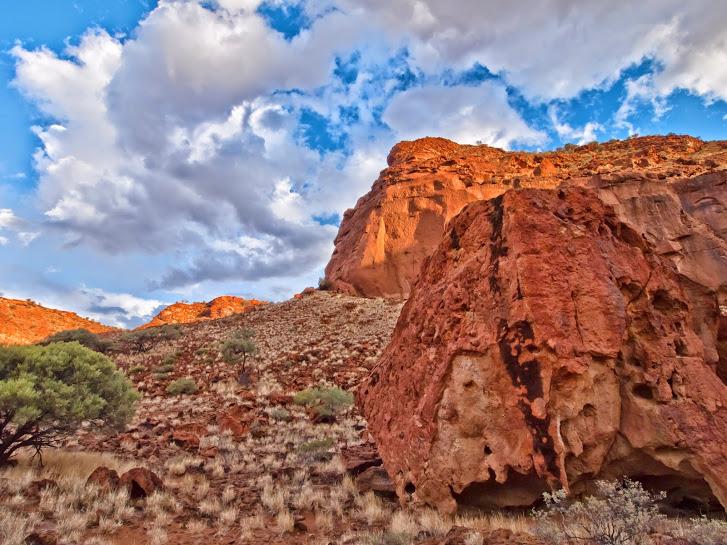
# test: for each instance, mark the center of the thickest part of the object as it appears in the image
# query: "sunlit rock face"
(672, 189)
(557, 336)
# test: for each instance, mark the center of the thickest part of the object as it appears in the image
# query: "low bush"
(324, 401)
(82, 337)
(144, 339)
(619, 513)
(182, 386)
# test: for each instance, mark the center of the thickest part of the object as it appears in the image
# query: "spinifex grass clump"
(324, 401)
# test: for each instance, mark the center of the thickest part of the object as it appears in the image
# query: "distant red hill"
(26, 322)
(184, 313)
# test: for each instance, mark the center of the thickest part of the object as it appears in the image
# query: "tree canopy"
(46, 392)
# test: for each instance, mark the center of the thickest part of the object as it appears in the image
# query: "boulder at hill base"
(549, 341)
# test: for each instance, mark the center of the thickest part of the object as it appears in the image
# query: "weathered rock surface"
(185, 313)
(548, 342)
(384, 240)
(26, 322)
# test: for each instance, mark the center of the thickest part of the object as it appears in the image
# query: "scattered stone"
(104, 478)
(141, 482)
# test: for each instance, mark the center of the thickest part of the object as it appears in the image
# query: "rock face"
(384, 240)
(548, 341)
(184, 313)
(26, 322)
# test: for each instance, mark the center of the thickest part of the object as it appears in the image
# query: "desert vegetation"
(278, 460)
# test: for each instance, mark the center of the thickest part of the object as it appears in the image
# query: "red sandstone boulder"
(104, 478)
(384, 240)
(547, 343)
(141, 482)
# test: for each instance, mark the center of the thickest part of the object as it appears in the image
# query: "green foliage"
(136, 370)
(143, 339)
(316, 450)
(619, 513)
(167, 365)
(81, 336)
(238, 348)
(47, 391)
(324, 284)
(324, 401)
(279, 414)
(182, 386)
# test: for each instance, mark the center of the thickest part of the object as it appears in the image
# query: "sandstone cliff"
(26, 322)
(547, 343)
(184, 313)
(384, 240)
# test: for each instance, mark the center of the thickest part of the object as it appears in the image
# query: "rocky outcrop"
(549, 341)
(27, 322)
(185, 313)
(384, 240)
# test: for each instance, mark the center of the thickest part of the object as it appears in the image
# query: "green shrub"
(136, 370)
(81, 336)
(182, 386)
(143, 339)
(316, 450)
(46, 392)
(324, 401)
(279, 414)
(324, 284)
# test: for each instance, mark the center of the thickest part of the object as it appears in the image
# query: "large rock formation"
(552, 338)
(185, 313)
(384, 240)
(26, 322)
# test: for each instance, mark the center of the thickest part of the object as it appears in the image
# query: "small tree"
(238, 348)
(46, 392)
(619, 513)
(143, 339)
(81, 336)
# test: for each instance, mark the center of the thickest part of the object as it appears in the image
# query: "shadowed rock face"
(548, 342)
(384, 240)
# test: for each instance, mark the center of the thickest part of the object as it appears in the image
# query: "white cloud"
(8, 219)
(565, 131)
(3, 241)
(463, 114)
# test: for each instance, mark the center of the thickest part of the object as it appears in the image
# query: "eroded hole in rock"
(680, 347)
(518, 492)
(488, 450)
(589, 410)
(643, 391)
(410, 488)
(683, 495)
(662, 301)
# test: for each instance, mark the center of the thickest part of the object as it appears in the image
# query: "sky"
(156, 151)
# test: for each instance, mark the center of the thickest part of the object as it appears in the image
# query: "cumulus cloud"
(556, 48)
(10, 222)
(565, 131)
(464, 114)
(186, 139)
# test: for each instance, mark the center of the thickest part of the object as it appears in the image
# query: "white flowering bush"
(619, 513)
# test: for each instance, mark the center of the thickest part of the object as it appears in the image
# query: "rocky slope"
(184, 313)
(26, 322)
(557, 345)
(384, 240)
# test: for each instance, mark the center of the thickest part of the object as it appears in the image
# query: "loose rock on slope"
(545, 344)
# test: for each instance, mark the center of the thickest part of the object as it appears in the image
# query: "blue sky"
(185, 149)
